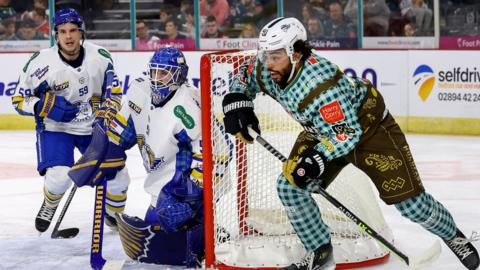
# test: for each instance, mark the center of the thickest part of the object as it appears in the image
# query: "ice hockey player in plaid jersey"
(345, 121)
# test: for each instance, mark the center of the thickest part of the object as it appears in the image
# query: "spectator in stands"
(39, 16)
(167, 12)
(75, 4)
(249, 30)
(315, 29)
(143, 32)
(211, 29)
(219, 9)
(409, 30)
(244, 11)
(6, 10)
(375, 14)
(338, 25)
(319, 6)
(188, 26)
(26, 31)
(8, 27)
(171, 30)
(309, 12)
(184, 6)
(417, 11)
(40, 4)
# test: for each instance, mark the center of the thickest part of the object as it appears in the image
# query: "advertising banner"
(462, 43)
(215, 44)
(399, 43)
(444, 92)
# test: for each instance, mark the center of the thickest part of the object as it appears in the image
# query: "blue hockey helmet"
(168, 70)
(68, 15)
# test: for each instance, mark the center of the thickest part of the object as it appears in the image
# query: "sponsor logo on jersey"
(59, 87)
(134, 107)
(312, 60)
(332, 112)
(187, 120)
(342, 131)
(40, 72)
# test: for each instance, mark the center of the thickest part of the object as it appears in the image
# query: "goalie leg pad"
(148, 243)
(432, 215)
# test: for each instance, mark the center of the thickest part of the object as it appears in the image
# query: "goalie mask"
(167, 71)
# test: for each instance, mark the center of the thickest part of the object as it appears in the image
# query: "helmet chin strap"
(294, 63)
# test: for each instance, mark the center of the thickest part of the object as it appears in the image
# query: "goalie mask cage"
(245, 224)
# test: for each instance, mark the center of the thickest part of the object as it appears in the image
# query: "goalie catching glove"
(238, 110)
(307, 168)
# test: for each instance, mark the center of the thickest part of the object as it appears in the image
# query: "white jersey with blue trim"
(83, 86)
(168, 136)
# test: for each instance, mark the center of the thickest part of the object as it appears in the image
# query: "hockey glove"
(238, 110)
(56, 108)
(107, 112)
(308, 167)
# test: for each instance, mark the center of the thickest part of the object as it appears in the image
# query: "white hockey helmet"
(281, 33)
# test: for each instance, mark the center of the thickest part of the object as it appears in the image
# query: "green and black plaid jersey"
(320, 97)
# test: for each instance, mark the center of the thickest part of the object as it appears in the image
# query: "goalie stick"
(416, 262)
(97, 262)
(69, 232)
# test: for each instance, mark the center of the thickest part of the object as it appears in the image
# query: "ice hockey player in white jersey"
(161, 115)
(63, 87)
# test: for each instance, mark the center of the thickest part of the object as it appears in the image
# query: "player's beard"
(284, 74)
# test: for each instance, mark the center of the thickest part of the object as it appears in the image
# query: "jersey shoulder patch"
(103, 52)
(34, 55)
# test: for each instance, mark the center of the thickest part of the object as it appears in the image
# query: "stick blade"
(428, 256)
(113, 265)
(65, 233)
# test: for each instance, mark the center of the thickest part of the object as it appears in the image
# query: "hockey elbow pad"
(239, 115)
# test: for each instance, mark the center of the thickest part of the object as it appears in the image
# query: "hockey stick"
(423, 260)
(65, 233)
(97, 261)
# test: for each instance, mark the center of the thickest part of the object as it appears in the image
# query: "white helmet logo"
(285, 27)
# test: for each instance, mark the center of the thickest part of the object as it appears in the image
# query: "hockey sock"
(432, 215)
(303, 214)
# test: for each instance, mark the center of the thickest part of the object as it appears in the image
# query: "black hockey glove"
(238, 110)
(309, 166)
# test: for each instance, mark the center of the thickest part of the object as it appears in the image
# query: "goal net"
(246, 225)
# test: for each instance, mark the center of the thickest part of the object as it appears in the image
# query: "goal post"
(246, 226)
